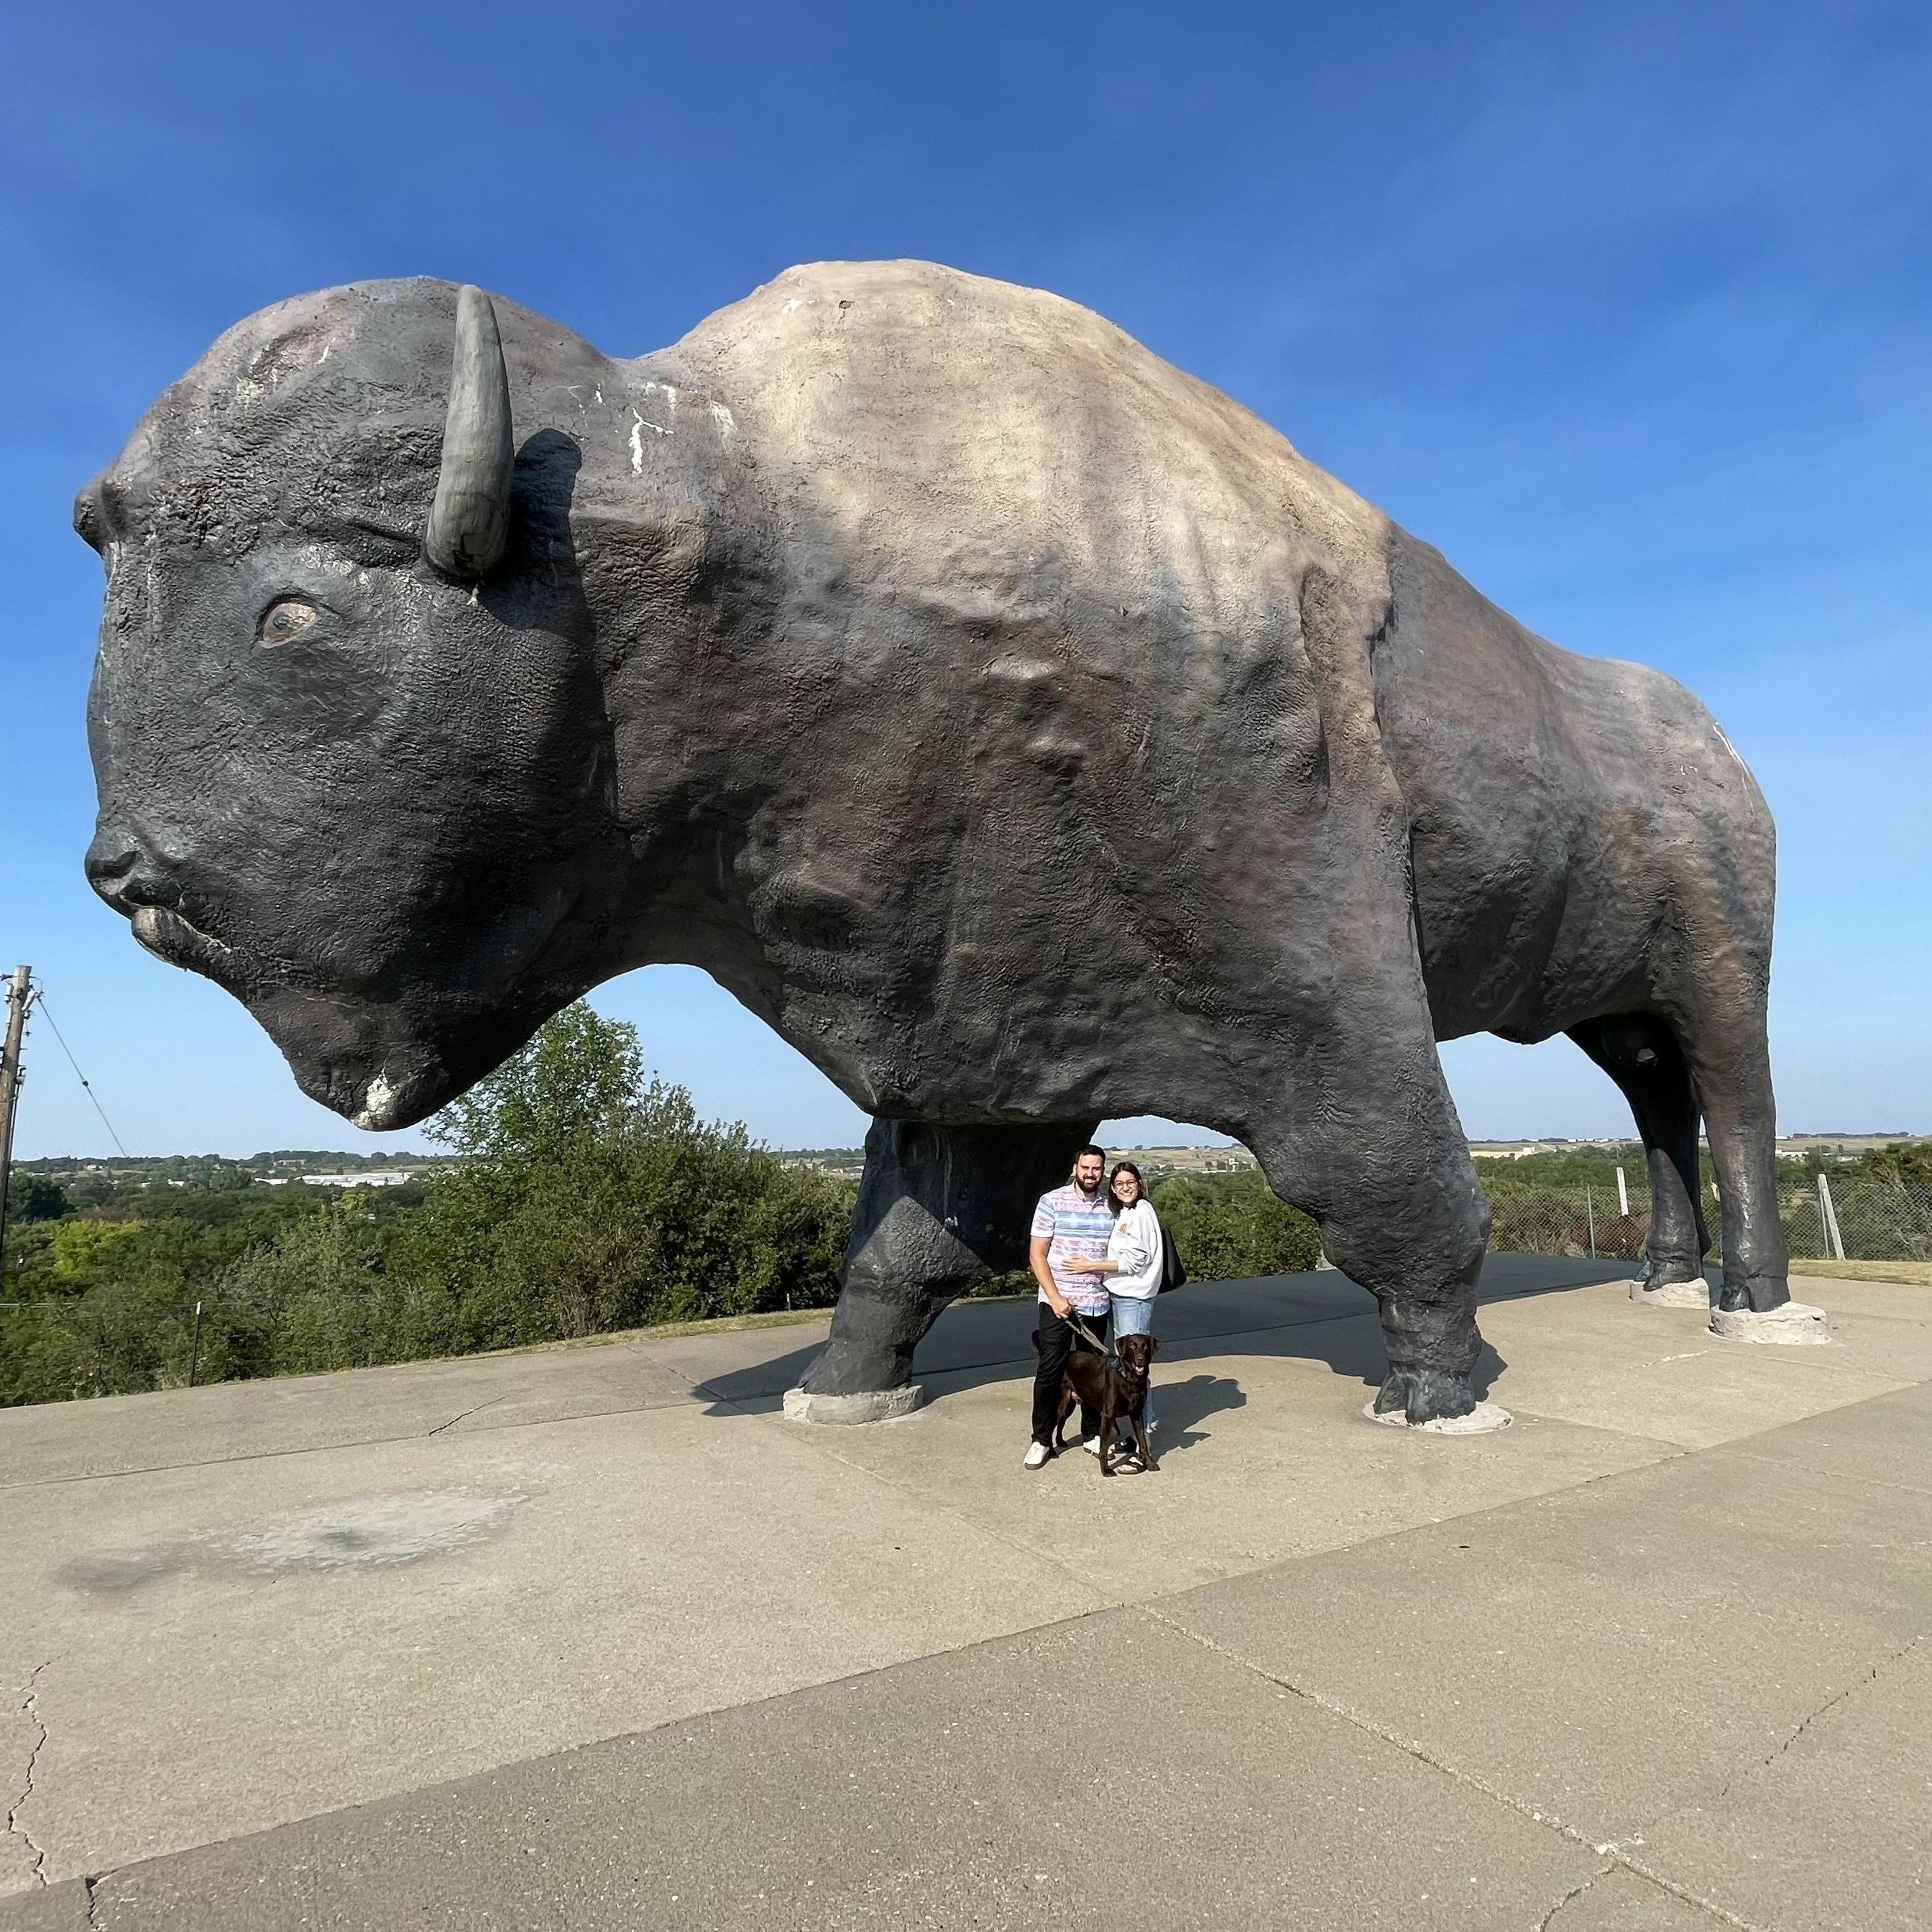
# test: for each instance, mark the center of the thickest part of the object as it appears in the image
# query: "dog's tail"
(1034, 1339)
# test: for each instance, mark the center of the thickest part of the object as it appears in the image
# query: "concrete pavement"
(594, 1637)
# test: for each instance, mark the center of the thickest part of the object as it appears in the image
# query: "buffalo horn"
(470, 518)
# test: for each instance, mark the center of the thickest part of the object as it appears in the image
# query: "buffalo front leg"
(1640, 1053)
(1421, 1254)
(1373, 1149)
(939, 1208)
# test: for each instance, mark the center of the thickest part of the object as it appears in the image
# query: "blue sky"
(1628, 310)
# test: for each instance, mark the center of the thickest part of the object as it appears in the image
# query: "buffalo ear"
(469, 521)
(90, 516)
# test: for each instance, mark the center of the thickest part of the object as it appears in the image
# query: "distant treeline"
(576, 1197)
(102, 1183)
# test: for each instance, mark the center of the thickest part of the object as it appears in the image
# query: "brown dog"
(1115, 1384)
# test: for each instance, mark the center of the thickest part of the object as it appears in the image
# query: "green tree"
(32, 1197)
(571, 1086)
(318, 1296)
(585, 1202)
(1903, 1164)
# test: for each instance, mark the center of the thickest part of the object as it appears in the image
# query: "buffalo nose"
(118, 869)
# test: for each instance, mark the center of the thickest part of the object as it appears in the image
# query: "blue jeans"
(1133, 1314)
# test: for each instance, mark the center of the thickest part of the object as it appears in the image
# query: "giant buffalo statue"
(1021, 728)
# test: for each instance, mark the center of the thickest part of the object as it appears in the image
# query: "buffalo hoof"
(1694, 1294)
(1793, 1322)
(1485, 1419)
(1438, 1399)
(803, 1405)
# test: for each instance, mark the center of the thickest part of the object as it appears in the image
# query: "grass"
(1918, 1274)
(716, 1324)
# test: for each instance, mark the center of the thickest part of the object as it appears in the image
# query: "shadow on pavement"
(1182, 1406)
(1321, 1317)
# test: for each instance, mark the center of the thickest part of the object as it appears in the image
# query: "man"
(1072, 1222)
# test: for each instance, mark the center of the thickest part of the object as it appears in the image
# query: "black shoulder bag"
(1173, 1269)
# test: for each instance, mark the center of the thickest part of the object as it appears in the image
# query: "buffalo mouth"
(169, 936)
(336, 1047)
(383, 1055)
(367, 1062)
(386, 1105)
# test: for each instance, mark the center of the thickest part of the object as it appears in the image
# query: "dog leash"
(1086, 1335)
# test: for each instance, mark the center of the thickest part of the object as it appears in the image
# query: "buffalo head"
(345, 722)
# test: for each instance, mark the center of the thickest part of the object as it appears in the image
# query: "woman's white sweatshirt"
(1134, 1245)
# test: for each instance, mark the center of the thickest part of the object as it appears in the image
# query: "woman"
(1133, 1263)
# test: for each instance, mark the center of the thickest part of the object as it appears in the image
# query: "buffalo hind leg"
(939, 1208)
(1640, 1053)
(1731, 1064)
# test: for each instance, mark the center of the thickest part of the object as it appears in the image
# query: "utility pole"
(19, 991)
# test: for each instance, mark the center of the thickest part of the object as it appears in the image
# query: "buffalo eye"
(285, 619)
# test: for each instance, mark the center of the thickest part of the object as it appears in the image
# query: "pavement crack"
(1570, 1897)
(90, 1880)
(1830, 1704)
(1408, 1746)
(1612, 1851)
(475, 1408)
(1804, 1724)
(29, 1706)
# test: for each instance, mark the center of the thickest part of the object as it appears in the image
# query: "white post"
(1623, 1196)
(1827, 1212)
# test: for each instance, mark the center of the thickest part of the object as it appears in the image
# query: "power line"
(41, 1000)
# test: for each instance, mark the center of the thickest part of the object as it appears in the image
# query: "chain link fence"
(1849, 1219)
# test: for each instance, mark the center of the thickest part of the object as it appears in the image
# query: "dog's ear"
(1154, 1345)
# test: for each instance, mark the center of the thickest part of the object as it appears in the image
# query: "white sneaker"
(1037, 1457)
(1092, 1445)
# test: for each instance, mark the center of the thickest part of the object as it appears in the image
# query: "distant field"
(1840, 1143)
(1234, 1158)
(211, 1170)
(1917, 1273)
(1229, 1159)
(1155, 1160)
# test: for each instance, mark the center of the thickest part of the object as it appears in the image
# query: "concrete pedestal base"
(1483, 1419)
(1796, 1321)
(868, 1406)
(1673, 1294)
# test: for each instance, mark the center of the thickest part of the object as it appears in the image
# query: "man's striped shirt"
(1077, 1226)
